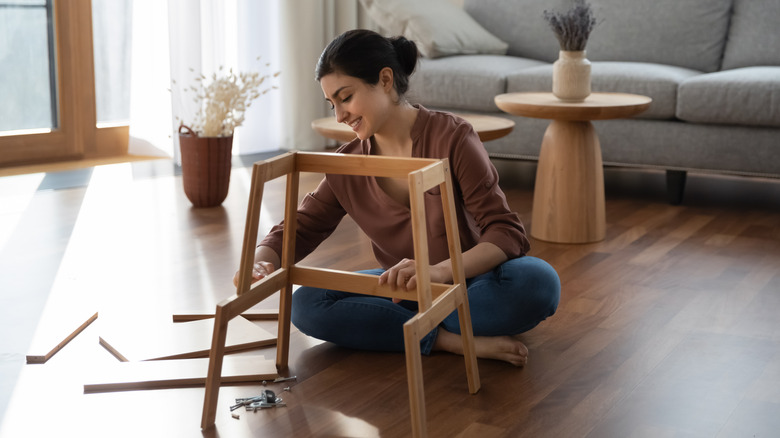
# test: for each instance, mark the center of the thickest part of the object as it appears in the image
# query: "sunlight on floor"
(105, 256)
(325, 422)
(16, 192)
(84, 271)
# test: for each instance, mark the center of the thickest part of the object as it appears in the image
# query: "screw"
(284, 379)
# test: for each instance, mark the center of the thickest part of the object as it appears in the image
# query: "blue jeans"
(512, 298)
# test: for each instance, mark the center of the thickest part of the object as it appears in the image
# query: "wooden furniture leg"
(226, 311)
(287, 260)
(436, 301)
(675, 186)
(214, 375)
(459, 278)
(415, 379)
(569, 194)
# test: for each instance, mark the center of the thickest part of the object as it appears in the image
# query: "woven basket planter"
(205, 167)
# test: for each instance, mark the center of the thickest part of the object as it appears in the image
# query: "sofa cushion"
(470, 81)
(660, 82)
(688, 33)
(753, 36)
(438, 27)
(520, 23)
(743, 96)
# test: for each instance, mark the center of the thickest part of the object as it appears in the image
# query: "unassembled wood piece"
(57, 333)
(180, 341)
(179, 373)
(260, 315)
(436, 301)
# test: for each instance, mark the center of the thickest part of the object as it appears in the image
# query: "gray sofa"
(712, 68)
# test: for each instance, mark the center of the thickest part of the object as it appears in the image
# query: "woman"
(364, 77)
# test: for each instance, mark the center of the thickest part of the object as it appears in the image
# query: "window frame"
(77, 135)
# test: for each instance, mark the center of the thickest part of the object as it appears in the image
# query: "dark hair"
(363, 54)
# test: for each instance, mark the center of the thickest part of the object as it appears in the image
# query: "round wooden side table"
(487, 127)
(568, 204)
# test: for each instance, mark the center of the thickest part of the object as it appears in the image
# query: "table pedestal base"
(569, 194)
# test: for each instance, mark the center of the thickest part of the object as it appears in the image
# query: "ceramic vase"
(205, 168)
(571, 76)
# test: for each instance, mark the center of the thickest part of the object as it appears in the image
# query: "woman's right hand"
(266, 261)
(259, 271)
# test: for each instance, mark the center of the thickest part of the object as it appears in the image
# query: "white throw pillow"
(438, 27)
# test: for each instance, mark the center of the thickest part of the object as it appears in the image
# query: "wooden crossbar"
(364, 165)
(435, 301)
(356, 283)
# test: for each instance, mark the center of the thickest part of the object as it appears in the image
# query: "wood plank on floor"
(259, 315)
(57, 332)
(139, 340)
(178, 373)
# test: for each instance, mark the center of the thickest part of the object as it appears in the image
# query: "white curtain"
(304, 35)
(200, 36)
(150, 101)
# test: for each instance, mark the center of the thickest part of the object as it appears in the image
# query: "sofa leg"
(675, 186)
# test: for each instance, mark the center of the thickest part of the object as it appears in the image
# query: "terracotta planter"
(571, 76)
(205, 167)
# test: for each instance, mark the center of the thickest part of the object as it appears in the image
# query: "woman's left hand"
(404, 275)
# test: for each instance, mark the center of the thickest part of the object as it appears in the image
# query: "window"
(48, 106)
(27, 66)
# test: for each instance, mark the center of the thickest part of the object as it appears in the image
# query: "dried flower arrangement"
(573, 27)
(223, 99)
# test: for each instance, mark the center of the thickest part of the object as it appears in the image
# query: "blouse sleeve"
(477, 180)
(318, 215)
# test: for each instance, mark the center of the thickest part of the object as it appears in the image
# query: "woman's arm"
(266, 262)
(482, 197)
(480, 259)
(318, 215)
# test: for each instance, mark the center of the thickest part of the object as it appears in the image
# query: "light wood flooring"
(670, 327)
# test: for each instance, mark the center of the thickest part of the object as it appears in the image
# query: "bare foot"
(506, 348)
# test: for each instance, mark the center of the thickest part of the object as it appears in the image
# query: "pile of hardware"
(268, 399)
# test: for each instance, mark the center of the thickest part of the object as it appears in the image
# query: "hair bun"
(363, 53)
(407, 53)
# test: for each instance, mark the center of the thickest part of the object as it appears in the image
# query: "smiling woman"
(365, 76)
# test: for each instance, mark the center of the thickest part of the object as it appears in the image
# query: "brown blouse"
(482, 211)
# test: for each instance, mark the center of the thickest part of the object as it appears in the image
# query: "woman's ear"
(386, 79)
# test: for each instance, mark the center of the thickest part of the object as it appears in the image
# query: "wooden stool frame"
(436, 301)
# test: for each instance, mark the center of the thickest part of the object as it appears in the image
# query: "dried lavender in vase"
(572, 28)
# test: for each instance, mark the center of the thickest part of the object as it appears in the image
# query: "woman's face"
(361, 106)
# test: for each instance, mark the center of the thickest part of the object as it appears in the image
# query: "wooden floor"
(668, 328)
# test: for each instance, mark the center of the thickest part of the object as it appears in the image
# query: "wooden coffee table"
(487, 127)
(568, 202)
